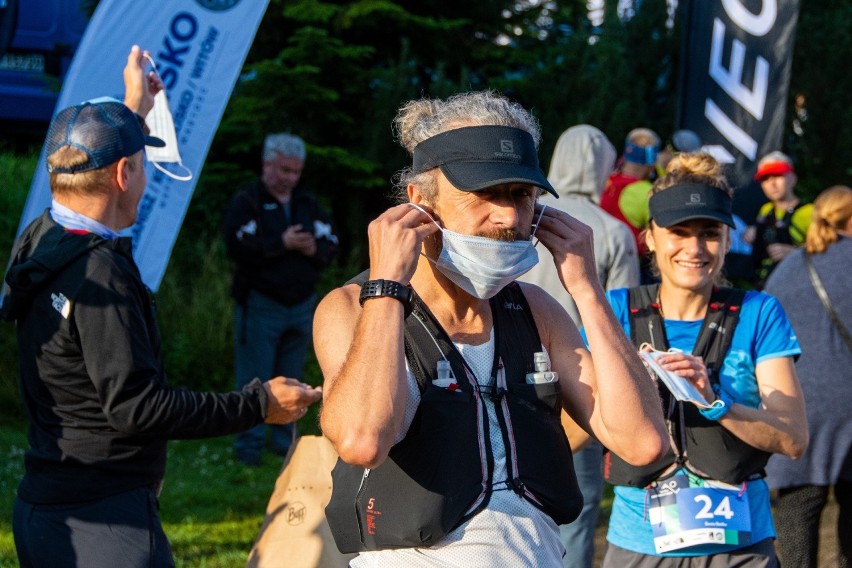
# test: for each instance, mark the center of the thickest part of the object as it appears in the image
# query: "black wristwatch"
(386, 289)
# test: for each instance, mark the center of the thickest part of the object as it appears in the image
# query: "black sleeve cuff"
(255, 387)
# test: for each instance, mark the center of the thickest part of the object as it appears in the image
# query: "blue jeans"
(269, 340)
(578, 538)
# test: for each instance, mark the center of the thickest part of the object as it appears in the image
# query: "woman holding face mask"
(706, 502)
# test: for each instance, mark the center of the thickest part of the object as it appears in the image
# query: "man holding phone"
(280, 239)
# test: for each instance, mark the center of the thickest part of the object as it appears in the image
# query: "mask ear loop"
(433, 220)
(535, 225)
(180, 177)
(153, 65)
(427, 213)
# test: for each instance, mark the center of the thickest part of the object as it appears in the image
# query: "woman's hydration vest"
(440, 474)
(701, 445)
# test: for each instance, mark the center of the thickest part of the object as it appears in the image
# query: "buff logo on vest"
(296, 513)
(199, 47)
(737, 58)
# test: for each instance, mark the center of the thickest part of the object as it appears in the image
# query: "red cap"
(773, 168)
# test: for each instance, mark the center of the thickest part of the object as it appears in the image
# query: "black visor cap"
(681, 203)
(474, 158)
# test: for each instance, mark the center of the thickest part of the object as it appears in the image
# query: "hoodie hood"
(43, 250)
(582, 161)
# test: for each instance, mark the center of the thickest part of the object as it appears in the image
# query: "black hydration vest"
(705, 445)
(440, 474)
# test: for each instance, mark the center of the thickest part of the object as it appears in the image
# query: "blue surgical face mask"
(481, 266)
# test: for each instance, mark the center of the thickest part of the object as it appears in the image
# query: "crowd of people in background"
(478, 389)
(784, 226)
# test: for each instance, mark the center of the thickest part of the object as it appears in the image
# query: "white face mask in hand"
(162, 126)
(481, 266)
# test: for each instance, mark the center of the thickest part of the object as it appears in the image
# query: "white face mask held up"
(162, 125)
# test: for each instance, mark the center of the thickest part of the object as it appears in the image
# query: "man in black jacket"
(92, 375)
(280, 240)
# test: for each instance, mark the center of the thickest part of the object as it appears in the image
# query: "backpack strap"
(646, 323)
(359, 278)
(246, 194)
(515, 332)
(717, 331)
(698, 442)
(426, 342)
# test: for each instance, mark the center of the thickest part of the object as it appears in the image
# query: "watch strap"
(386, 289)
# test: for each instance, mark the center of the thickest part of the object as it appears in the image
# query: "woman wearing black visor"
(732, 399)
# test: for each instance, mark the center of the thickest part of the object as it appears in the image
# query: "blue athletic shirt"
(763, 332)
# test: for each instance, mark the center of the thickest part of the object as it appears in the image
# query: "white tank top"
(509, 532)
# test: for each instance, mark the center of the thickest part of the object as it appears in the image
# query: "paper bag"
(295, 533)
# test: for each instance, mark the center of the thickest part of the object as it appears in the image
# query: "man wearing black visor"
(445, 378)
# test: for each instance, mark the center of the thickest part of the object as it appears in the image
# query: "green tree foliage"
(616, 77)
(336, 72)
(821, 58)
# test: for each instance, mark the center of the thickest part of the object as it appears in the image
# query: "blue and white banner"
(199, 47)
(735, 73)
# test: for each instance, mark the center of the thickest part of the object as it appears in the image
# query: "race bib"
(683, 514)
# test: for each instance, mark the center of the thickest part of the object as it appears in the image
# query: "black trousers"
(797, 519)
(759, 555)
(121, 530)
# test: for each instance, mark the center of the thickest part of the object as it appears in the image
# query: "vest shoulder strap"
(717, 329)
(359, 278)
(425, 341)
(515, 331)
(247, 195)
(646, 324)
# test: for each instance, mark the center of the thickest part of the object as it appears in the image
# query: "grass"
(13, 442)
(211, 506)
(16, 171)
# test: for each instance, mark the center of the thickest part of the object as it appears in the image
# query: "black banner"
(734, 77)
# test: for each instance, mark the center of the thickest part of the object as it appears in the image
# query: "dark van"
(37, 43)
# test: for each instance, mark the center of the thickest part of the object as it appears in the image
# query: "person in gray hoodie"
(582, 161)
